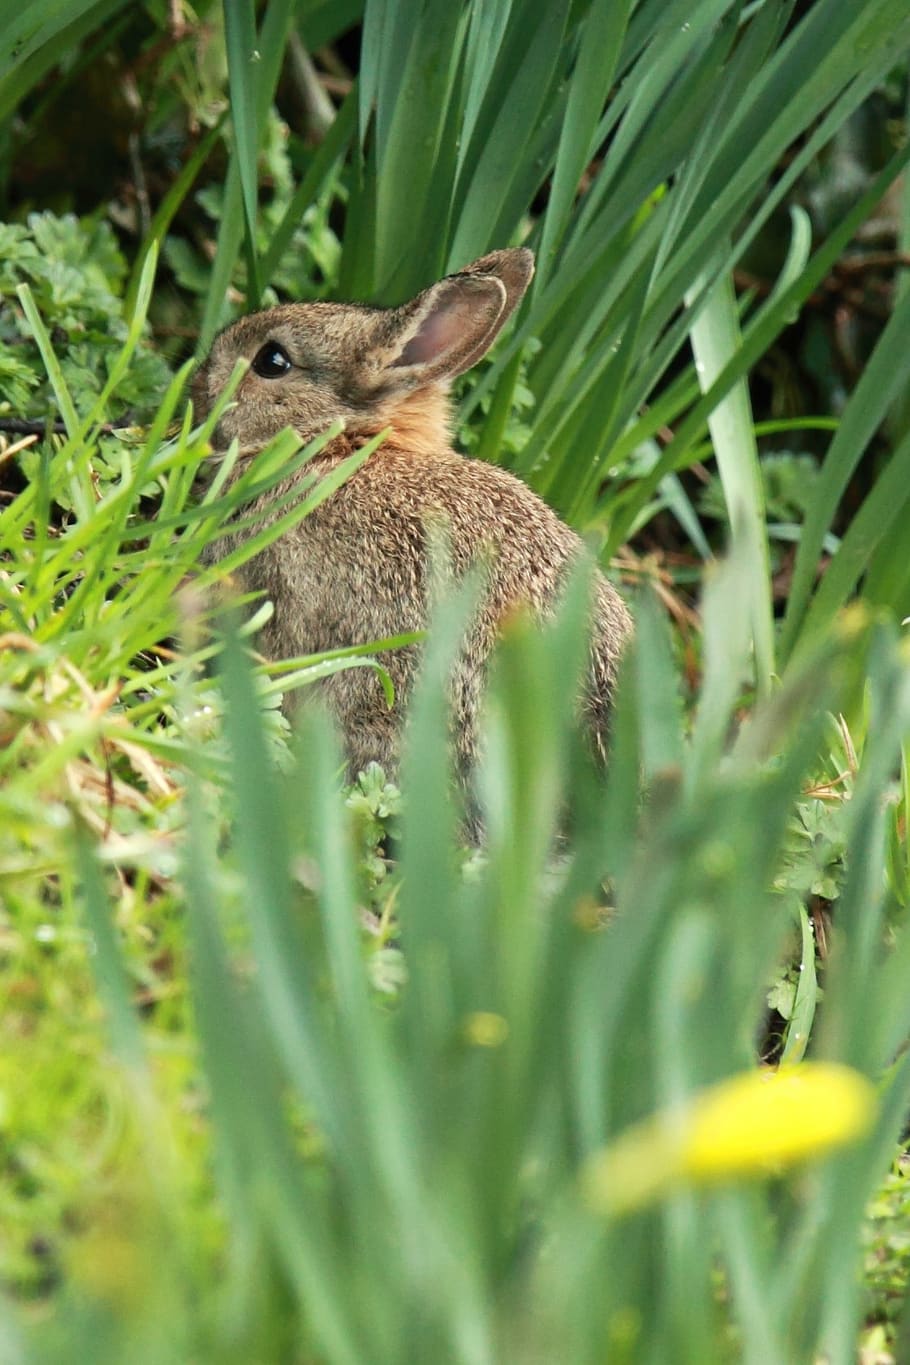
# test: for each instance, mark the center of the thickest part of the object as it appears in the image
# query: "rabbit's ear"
(514, 267)
(448, 327)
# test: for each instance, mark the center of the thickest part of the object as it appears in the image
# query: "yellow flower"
(752, 1124)
(485, 1029)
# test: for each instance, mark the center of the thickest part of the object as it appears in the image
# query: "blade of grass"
(716, 339)
(51, 363)
(410, 148)
(170, 205)
(248, 1107)
(123, 1025)
(882, 512)
(599, 48)
(512, 109)
(799, 1028)
(243, 57)
(880, 384)
(79, 478)
(36, 36)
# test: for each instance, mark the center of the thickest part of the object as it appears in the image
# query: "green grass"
(285, 1072)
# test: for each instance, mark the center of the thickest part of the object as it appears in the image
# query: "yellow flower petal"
(751, 1124)
(764, 1119)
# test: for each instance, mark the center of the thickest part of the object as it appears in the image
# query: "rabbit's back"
(357, 569)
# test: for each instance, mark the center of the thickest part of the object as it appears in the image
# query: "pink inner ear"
(442, 330)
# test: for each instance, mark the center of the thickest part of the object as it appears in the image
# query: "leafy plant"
(77, 276)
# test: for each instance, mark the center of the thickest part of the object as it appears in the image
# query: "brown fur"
(419, 422)
(357, 568)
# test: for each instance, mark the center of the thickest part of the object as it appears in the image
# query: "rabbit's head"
(310, 363)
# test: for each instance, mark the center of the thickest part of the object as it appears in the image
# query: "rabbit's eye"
(271, 361)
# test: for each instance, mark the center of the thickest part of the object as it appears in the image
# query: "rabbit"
(358, 568)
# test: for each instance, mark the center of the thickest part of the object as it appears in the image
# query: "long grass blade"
(880, 384)
(715, 341)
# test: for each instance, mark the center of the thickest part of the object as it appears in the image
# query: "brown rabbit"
(357, 568)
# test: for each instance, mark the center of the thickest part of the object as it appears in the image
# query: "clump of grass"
(432, 1141)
